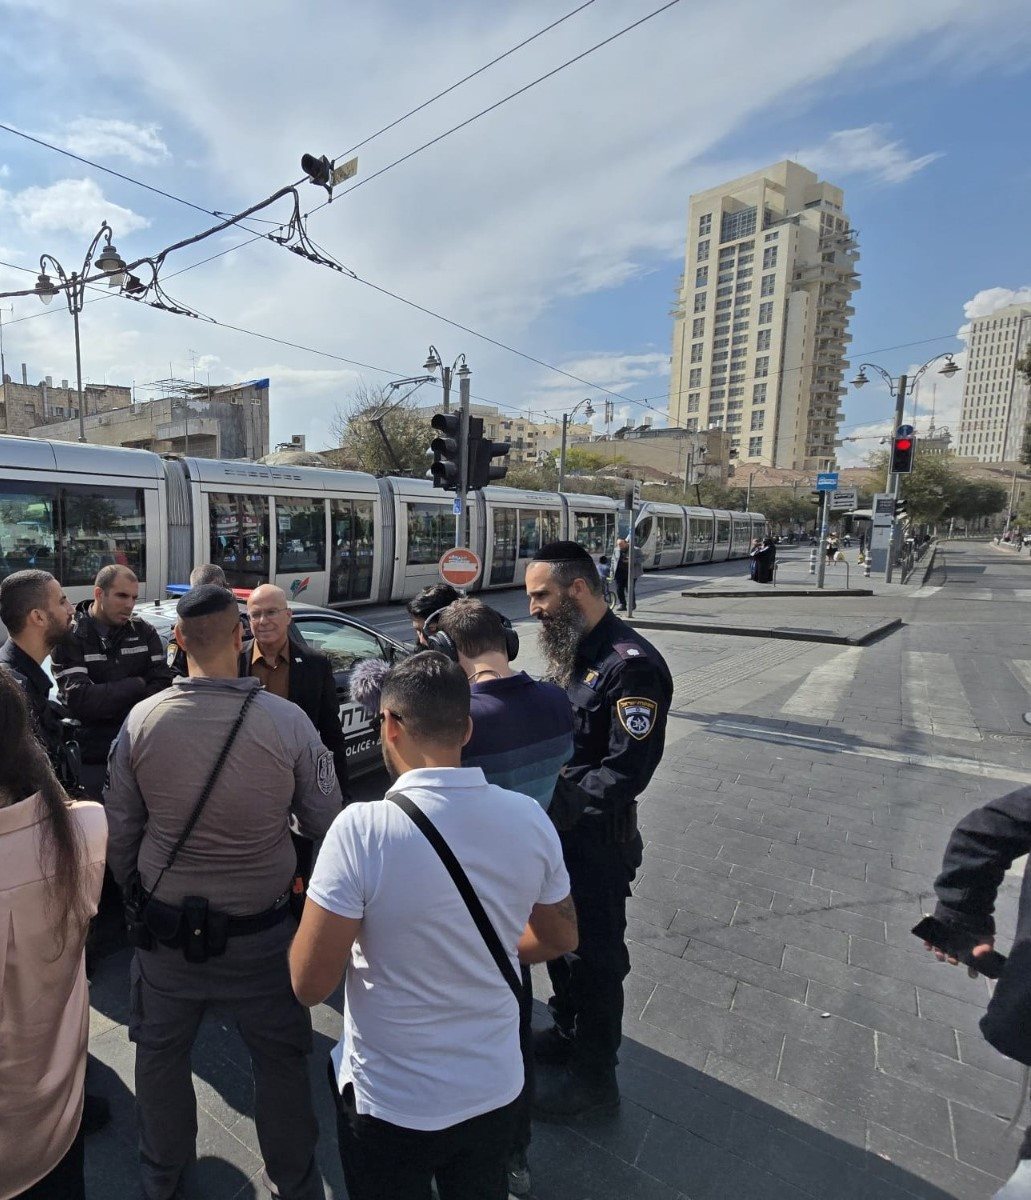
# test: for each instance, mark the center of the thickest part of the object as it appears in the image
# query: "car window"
(343, 645)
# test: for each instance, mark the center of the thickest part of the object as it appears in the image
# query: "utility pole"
(3, 366)
(894, 479)
(821, 548)
(1009, 510)
(462, 518)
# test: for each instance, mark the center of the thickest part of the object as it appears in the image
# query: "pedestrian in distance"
(429, 899)
(51, 866)
(109, 661)
(981, 849)
(208, 573)
(621, 572)
(199, 843)
(763, 556)
(605, 575)
(522, 737)
(429, 601)
(620, 689)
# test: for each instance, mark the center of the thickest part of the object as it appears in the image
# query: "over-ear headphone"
(443, 643)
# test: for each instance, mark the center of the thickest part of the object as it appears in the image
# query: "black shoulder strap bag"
(465, 890)
(142, 928)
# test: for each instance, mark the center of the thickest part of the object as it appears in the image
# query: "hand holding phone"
(958, 944)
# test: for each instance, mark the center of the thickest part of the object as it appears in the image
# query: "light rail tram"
(341, 538)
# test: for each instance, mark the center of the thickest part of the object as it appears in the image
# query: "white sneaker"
(1018, 1186)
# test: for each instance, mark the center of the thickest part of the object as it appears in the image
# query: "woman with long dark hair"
(51, 868)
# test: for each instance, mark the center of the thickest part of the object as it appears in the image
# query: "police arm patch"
(326, 775)
(637, 715)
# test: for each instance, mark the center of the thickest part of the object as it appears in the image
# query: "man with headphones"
(522, 737)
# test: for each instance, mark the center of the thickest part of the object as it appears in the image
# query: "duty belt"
(169, 916)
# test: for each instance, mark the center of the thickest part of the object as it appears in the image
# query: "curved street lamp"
(899, 389)
(566, 417)
(110, 264)
(459, 368)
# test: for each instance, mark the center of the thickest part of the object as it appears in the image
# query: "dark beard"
(559, 638)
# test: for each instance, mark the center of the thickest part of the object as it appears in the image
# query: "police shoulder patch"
(628, 650)
(637, 715)
(325, 773)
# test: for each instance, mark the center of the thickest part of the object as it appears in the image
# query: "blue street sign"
(456, 506)
(827, 481)
(904, 431)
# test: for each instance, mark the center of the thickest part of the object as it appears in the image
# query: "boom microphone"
(367, 678)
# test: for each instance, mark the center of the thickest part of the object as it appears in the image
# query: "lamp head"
(432, 363)
(463, 371)
(949, 369)
(860, 380)
(112, 264)
(45, 289)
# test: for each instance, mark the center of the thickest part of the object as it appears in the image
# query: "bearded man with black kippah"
(620, 689)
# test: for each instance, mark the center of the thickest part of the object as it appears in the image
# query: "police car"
(343, 639)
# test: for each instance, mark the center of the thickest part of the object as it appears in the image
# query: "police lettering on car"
(620, 689)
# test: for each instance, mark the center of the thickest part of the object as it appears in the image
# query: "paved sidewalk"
(785, 1036)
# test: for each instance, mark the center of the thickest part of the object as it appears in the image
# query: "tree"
(935, 490)
(357, 428)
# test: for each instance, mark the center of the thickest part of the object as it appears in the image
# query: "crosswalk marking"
(934, 694)
(1022, 593)
(922, 593)
(819, 692)
(1022, 669)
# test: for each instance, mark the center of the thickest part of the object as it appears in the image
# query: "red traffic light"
(903, 443)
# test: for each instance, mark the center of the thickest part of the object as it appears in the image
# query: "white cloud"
(866, 151)
(70, 205)
(992, 299)
(100, 137)
(5, 171)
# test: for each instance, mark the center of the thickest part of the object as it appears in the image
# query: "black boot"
(566, 1096)
(552, 1046)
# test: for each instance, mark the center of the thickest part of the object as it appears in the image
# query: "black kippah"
(203, 600)
(563, 552)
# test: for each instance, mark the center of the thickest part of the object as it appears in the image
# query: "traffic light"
(482, 451)
(901, 510)
(903, 447)
(318, 170)
(446, 449)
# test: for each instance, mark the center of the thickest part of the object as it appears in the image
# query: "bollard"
(866, 567)
(812, 560)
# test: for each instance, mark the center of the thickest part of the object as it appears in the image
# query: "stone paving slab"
(844, 631)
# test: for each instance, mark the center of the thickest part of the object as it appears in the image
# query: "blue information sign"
(827, 481)
(456, 506)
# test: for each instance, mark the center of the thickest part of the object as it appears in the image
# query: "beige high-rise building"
(760, 326)
(995, 394)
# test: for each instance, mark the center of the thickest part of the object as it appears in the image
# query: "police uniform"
(238, 858)
(46, 720)
(620, 693)
(102, 672)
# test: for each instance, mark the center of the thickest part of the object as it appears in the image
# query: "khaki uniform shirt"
(239, 855)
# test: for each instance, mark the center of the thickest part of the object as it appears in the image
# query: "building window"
(768, 284)
(758, 419)
(717, 393)
(692, 402)
(704, 224)
(725, 290)
(698, 327)
(719, 356)
(770, 237)
(703, 251)
(696, 352)
(769, 257)
(692, 425)
(723, 304)
(762, 340)
(701, 277)
(737, 224)
(762, 367)
(695, 378)
(755, 445)
(766, 312)
(699, 302)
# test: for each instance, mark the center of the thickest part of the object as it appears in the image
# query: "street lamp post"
(898, 390)
(566, 417)
(459, 368)
(110, 263)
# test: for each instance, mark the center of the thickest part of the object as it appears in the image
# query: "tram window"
(300, 534)
(240, 537)
(503, 551)
(643, 531)
(672, 533)
(722, 533)
(701, 532)
(536, 528)
(431, 531)
(353, 548)
(27, 538)
(596, 532)
(101, 526)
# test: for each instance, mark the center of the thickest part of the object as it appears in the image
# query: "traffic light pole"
(462, 520)
(894, 479)
(821, 549)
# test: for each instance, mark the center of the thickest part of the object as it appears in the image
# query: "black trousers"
(382, 1161)
(621, 591)
(65, 1181)
(587, 999)
(524, 1105)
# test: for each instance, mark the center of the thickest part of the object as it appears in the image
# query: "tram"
(341, 538)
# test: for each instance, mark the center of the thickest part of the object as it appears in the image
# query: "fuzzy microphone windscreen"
(367, 682)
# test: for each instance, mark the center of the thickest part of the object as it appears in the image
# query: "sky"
(552, 225)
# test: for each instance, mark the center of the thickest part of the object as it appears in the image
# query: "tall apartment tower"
(759, 330)
(995, 394)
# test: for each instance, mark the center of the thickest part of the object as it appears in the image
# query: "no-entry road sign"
(460, 567)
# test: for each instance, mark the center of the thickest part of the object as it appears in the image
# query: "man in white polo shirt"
(428, 1069)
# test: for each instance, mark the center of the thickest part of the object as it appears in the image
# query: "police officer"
(212, 925)
(109, 662)
(620, 689)
(38, 615)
